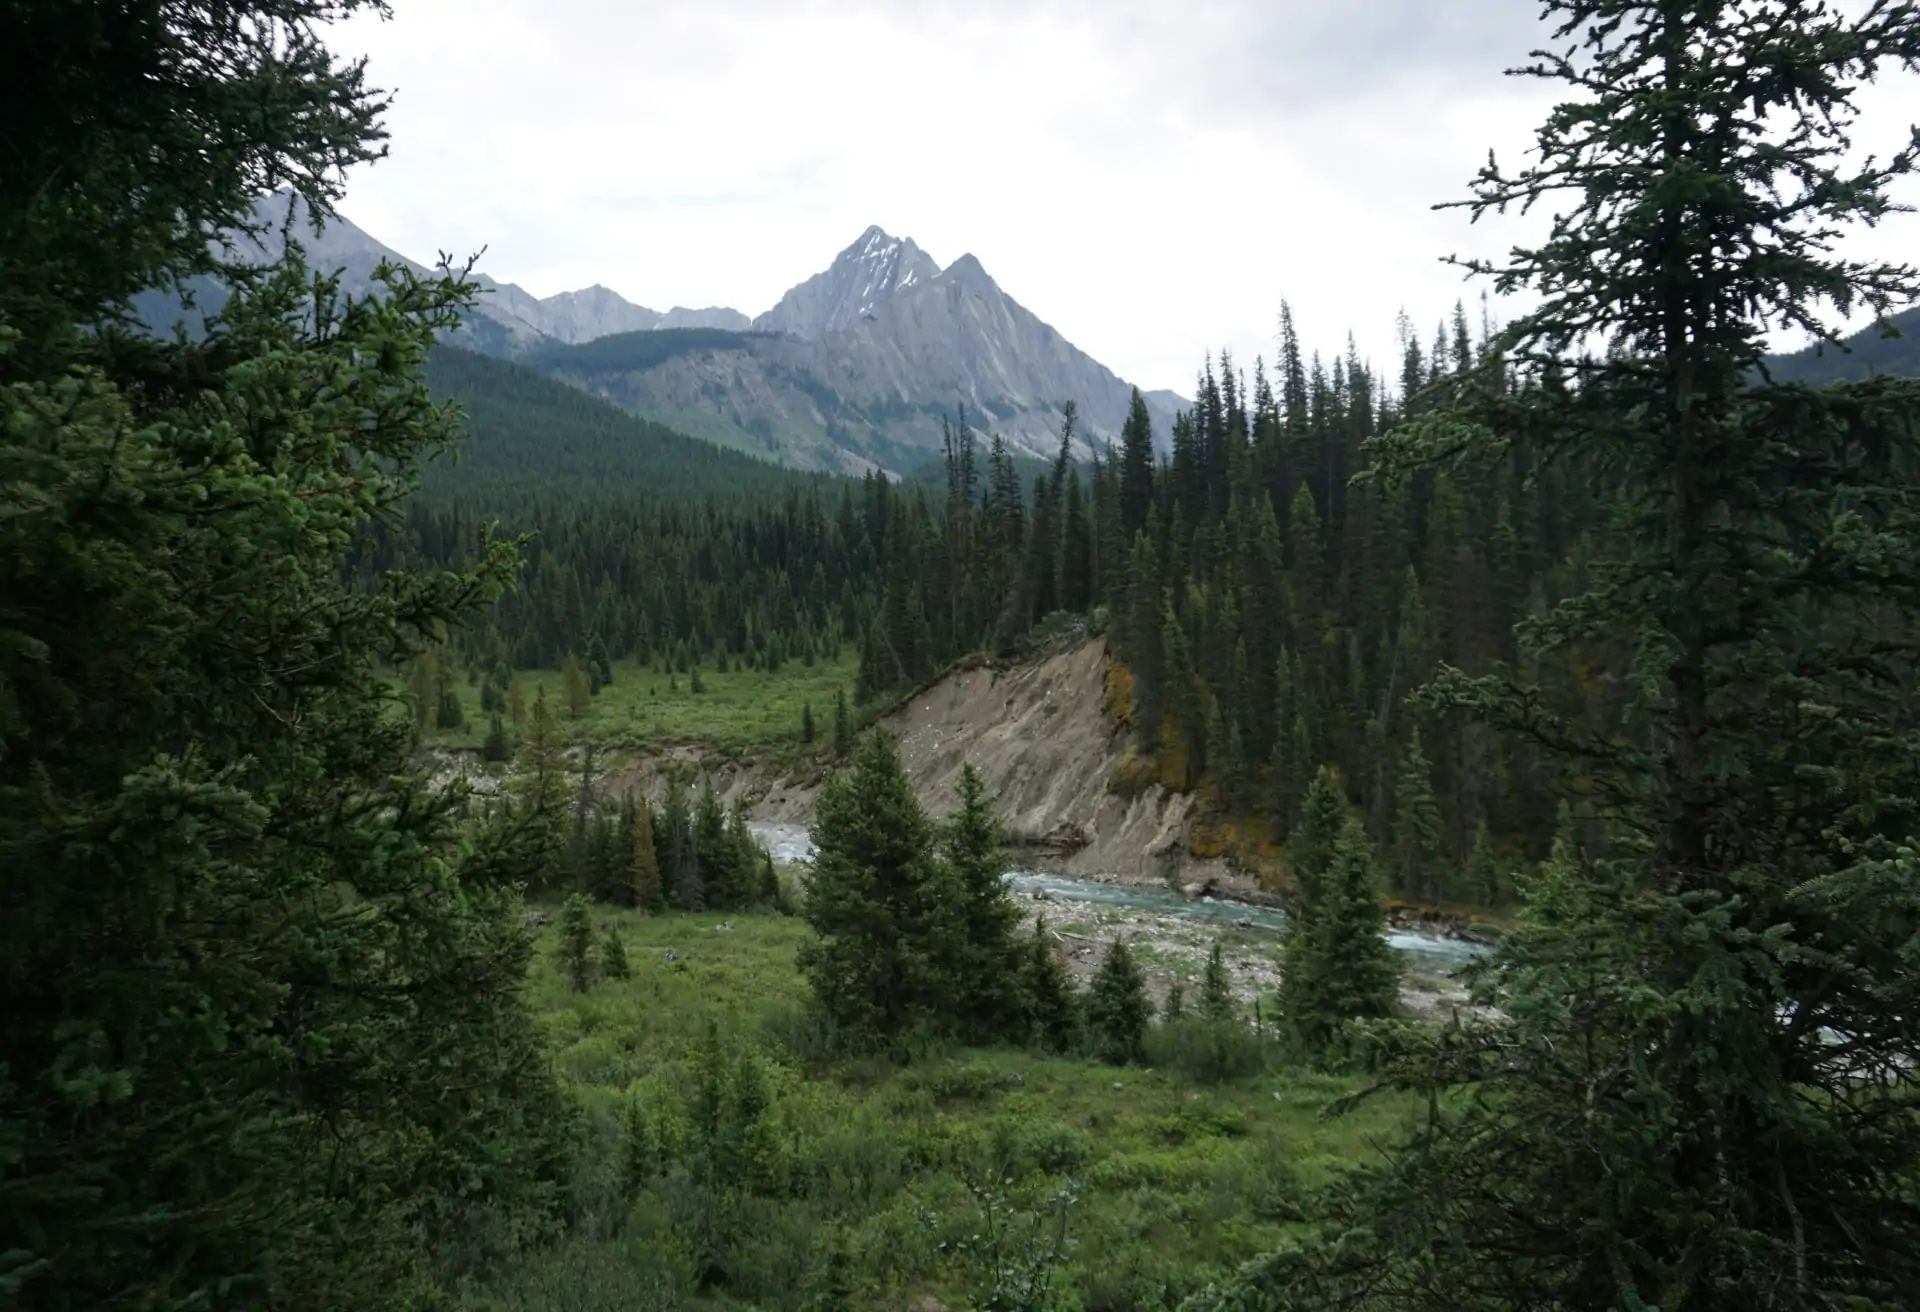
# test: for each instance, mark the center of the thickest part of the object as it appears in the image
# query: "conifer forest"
(468, 846)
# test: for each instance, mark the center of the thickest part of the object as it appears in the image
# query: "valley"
(535, 803)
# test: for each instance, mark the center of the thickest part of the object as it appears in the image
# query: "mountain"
(713, 316)
(594, 312)
(866, 273)
(531, 438)
(1868, 352)
(508, 320)
(854, 369)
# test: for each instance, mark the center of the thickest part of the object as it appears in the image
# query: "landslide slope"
(1039, 734)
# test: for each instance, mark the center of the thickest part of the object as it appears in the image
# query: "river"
(790, 844)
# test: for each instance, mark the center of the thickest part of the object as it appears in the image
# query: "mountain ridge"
(857, 367)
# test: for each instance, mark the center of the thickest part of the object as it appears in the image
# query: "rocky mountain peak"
(967, 271)
(596, 311)
(875, 267)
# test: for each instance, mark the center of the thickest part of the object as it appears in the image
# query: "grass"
(889, 1166)
(645, 710)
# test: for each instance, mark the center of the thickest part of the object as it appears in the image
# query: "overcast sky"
(1151, 177)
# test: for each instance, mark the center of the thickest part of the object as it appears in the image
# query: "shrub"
(1208, 1052)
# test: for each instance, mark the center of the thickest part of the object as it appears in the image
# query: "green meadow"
(723, 1161)
(646, 708)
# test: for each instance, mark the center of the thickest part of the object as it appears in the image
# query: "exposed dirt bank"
(1039, 735)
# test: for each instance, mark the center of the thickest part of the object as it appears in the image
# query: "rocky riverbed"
(1171, 935)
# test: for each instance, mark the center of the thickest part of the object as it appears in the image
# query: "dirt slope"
(1038, 734)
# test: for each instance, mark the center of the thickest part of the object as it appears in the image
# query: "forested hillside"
(1272, 605)
(1872, 350)
(531, 440)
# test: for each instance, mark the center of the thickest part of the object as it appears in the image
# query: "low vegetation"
(727, 1156)
(645, 707)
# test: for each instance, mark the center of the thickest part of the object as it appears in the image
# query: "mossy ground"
(1176, 1181)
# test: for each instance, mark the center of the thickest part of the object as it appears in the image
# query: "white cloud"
(1149, 176)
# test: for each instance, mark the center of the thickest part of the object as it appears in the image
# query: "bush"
(951, 1082)
(1209, 1052)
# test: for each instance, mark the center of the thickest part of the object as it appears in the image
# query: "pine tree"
(239, 921)
(1659, 1112)
(1336, 966)
(1291, 770)
(806, 723)
(1174, 1008)
(573, 688)
(613, 956)
(682, 865)
(751, 866)
(643, 859)
(496, 748)
(983, 994)
(1216, 990)
(871, 900)
(1310, 854)
(575, 944)
(1185, 697)
(716, 857)
(842, 728)
(1048, 990)
(1117, 1007)
(422, 688)
(1484, 883)
(1075, 592)
(542, 786)
(1136, 466)
(1419, 856)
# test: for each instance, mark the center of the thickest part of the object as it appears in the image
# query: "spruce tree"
(1697, 1090)
(983, 961)
(573, 688)
(1048, 990)
(1310, 853)
(613, 955)
(715, 854)
(575, 943)
(1216, 989)
(253, 967)
(806, 723)
(872, 902)
(1483, 881)
(1136, 466)
(496, 748)
(541, 783)
(1174, 1007)
(643, 859)
(1336, 966)
(1185, 698)
(751, 886)
(842, 727)
(1117, 1007)
(1419, 856)
(684, 876)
